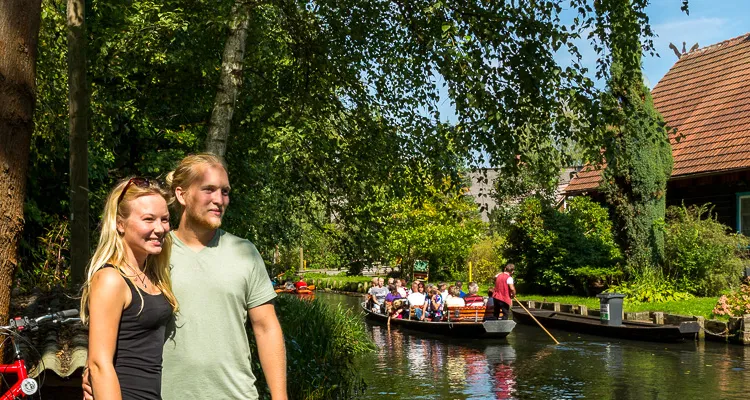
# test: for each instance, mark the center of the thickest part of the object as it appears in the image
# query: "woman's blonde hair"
(189, 170)
(111, 247)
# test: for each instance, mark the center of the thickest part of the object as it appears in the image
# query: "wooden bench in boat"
(469, 314)
(465, 314)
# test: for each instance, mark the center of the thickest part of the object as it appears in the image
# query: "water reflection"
(529, 366)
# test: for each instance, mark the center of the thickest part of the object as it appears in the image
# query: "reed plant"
(322, 342)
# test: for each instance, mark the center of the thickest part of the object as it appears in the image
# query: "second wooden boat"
(634, 330)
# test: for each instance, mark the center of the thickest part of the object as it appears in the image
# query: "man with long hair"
(221, 283)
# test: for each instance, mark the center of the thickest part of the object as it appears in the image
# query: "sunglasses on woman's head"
(140, 182)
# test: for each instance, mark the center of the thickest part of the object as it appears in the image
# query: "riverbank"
(527, 365)
(733, 330)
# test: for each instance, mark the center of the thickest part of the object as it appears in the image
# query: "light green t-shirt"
(206, 352)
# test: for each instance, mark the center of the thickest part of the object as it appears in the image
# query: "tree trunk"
(230, 79)
(78, 121)
(19, 33)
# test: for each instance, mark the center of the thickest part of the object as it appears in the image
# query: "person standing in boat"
(504, 292)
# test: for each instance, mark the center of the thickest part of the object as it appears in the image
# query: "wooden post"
(470, 280)
(301, 259)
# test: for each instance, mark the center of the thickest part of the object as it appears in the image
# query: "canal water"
(528, 365)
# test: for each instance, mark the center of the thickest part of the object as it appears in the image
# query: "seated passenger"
(460, 286)
(289, 285)
(473, 299)
(378, 293)
(417, 299)
(301, 284)
(490, 306)
(435, 306)
(390, 299)
(400, 288)
(443, 289)
(454, 298)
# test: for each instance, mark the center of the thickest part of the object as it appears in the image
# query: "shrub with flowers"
(735, 304)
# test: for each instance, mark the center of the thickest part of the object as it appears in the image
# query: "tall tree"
(78, 125)
(637, 149)
(19, 31)
(230, 79)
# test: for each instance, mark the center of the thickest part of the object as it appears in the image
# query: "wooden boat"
(304, 293)
(495, 329)
(634, 330)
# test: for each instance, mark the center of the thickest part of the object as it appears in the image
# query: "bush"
(563, 252)
(487, 258)
(649, 286)
(321, 344)
(735, 304)
(50, 267)
(702, 256)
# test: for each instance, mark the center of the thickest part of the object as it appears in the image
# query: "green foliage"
(734, 304)
(487, 258)
(650, 286)
(563, 252)
(51, 268)
(322, 247)
(321, 344)
(441, 228)
(703, 257)
(339, 110)
(639, 162)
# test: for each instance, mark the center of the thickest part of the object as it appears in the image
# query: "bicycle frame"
(19, 369)
(26, 386)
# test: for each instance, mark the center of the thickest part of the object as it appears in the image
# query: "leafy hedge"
(487, 258)
(702, 256)
(570, 251)
(321, 344)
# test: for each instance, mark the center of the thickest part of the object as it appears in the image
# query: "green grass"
(590, 302)
(698, 306)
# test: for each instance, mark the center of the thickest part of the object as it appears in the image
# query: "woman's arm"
(109, 295)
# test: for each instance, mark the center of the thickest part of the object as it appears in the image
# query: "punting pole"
(535, 320)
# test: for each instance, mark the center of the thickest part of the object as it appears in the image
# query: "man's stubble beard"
(201, 220)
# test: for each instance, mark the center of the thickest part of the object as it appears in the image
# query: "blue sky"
(709, 22)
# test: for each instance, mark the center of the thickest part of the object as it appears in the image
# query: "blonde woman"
(127, 299)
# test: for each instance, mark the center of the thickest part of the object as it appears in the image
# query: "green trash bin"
(610, 308)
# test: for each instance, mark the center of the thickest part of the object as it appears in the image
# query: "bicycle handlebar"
(26, 323)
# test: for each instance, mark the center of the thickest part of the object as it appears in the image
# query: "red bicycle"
(25, 386)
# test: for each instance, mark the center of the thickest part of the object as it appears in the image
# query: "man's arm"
(271, 349)
(512, 290)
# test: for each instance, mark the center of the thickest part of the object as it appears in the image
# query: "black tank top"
(140, 342)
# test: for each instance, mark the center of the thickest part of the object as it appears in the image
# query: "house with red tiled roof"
(705, 96)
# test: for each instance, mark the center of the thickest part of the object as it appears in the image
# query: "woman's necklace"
(140, 275)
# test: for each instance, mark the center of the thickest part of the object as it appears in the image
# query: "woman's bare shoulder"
(107, 279)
